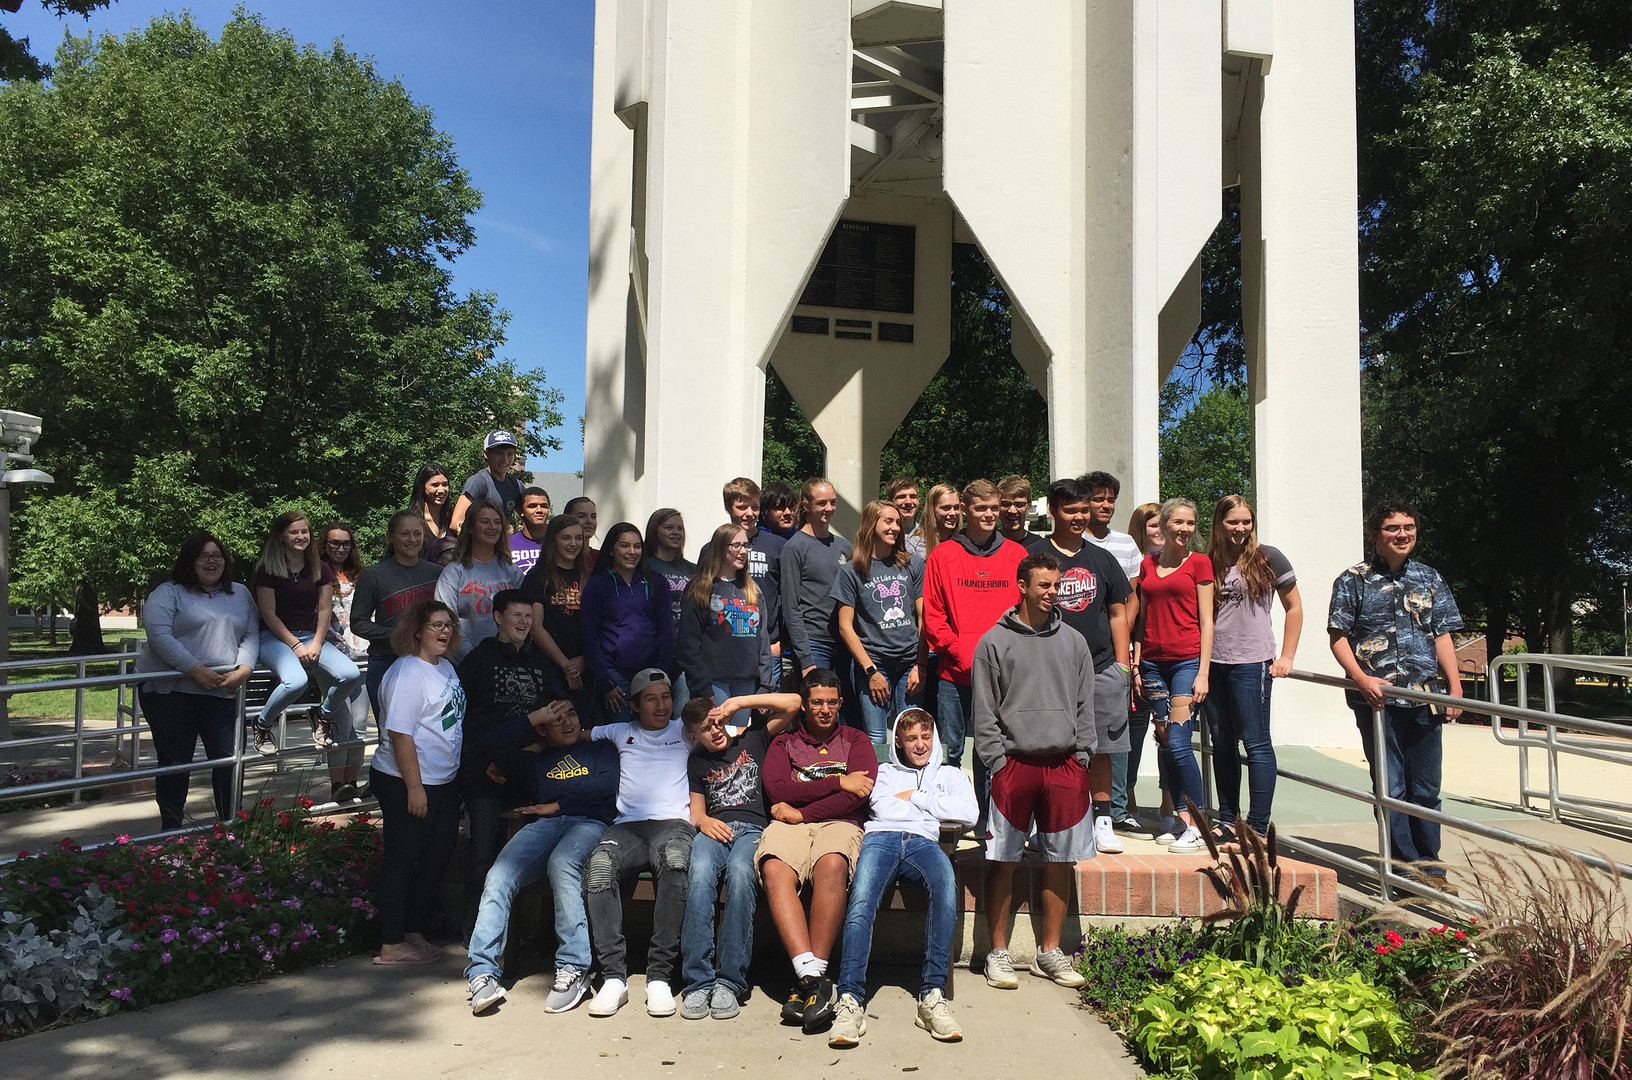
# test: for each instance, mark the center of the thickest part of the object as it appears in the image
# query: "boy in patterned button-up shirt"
(1390, 624)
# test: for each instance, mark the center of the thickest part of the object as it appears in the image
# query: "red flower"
(1394, 939)
(1383, 950)
(1460, 936)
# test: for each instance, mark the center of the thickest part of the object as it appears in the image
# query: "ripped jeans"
(664, 848)
(1164, 680)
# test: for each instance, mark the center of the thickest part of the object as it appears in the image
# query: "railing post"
(1207, 751)
(238, 749)
(1521, 685)
(79, 728)
(1379, 787)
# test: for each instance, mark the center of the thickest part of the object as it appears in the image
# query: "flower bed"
(125, 926)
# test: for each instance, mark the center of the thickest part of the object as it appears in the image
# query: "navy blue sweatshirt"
(725, 641)
(582, 778)
(627, 625)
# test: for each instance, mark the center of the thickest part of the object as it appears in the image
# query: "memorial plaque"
(854, 335)
(895, 331)
(809, 324)
(854, 324)
(866, 265)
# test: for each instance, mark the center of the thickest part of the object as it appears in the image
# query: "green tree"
(1206, 446)
(227, 291)
(1496, 186)
(16, 61)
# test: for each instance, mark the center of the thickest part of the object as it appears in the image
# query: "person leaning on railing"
(1390, 624)
(196, 622)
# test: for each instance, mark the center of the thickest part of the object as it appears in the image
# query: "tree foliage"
(1496, 238)
(16, 61)
(227, 291)
(1206, 446)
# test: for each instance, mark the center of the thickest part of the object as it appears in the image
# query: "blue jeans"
(1413, 750)
(711, 859)
(554, 845)
(1238, 712)
(728, 688)
(377, 667)
(875, 718)
(1164, 680)
(621, 679)
(337, 673)
(888, 857)
(953, 706)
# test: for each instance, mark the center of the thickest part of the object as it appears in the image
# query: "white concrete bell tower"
(780, 182)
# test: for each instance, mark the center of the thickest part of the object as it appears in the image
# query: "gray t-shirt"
(469, 591)
(1243, 632)
(506, 493)
(809, 566)
(885, 602)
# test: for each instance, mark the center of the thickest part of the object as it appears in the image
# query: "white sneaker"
(935, 1018)
(612, 996)
(849, 1023)
(659, 999)
(1000, 970)
(1105, 838)
(1190, 841)
(1055, 966)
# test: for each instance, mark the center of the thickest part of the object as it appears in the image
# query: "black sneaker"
(266, 743)
(821, 1004)
(793, 1010)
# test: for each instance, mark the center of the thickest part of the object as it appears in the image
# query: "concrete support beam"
(1301, 307)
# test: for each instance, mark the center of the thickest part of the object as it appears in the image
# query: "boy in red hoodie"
(969, 584)
(817, 777)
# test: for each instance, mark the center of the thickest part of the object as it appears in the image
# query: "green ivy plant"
(1227, 1020)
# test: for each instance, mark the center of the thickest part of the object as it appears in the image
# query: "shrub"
(1228, 1019)
(1419, 967)
(1122, 969)
(272, 892)
(1550, 993)
(60, 974)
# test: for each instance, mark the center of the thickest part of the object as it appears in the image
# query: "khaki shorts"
(800, 846)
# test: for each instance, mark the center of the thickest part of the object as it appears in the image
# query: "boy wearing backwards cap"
(653, 832)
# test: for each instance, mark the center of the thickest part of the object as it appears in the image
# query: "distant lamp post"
(18, 434)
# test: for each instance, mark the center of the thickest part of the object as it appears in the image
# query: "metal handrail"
(1612, 744)
(1383, 872)
(78, 782)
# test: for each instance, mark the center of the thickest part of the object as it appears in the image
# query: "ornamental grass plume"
(1549, 995)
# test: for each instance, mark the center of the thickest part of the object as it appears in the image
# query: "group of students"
(597, 693)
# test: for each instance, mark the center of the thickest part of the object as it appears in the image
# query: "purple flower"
(164, 958)
(123, 993)
(168, 936)
(274, 929)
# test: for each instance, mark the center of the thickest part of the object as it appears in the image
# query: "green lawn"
(99, 704)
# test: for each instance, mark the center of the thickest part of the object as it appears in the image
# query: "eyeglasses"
(736, 547)
(439, 627)
(210, 556)
(1399, 530)
(339, 543)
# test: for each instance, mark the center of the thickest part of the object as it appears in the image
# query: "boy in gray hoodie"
(914, 798)
(1033, 683)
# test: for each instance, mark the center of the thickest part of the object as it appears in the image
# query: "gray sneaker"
(935, 1018)
(1000, 970)
(1055, 965)
(694, 1003)
(723, 1005)
(266, 743)
(849, 1023)
(485, 992)
(571, 986)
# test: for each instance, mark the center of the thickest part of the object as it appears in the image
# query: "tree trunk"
(1496, 602)
(87, 634)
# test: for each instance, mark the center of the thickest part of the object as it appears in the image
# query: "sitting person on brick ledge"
(817, 779)
(570, 789)
(729, 809)
(652, 832)
(1033, 680)
(915, 798)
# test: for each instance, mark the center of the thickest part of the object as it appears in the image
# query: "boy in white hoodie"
(914, 798)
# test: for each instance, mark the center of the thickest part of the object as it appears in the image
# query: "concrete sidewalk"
(356, 1021)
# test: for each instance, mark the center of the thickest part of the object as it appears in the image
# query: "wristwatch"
(870, 672)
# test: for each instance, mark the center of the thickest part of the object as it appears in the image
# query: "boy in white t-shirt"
(653, 832)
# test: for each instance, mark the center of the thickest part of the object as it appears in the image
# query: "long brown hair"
(1253, 565)
(660, 518)
(467, 536)
(861, 554)
(1138, 520)
(928, 531)
(714, 565)
(547, 556)
(352, 564)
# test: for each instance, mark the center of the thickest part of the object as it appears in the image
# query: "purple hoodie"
(626, 626)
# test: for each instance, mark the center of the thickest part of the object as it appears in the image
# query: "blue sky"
(509, 81)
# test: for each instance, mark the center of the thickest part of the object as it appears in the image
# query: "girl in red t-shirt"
(1173, 646)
